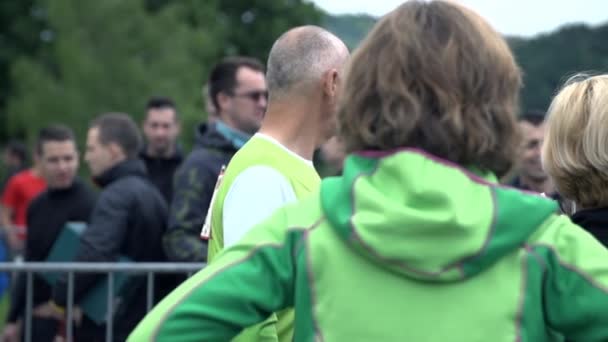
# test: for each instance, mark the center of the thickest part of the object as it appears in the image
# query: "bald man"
(274, 168)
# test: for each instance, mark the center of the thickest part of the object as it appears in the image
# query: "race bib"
(206, 230)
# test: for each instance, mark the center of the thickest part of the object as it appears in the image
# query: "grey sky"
(511, 17)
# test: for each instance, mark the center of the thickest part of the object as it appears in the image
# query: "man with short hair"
(531, 175)
(66, 199)
(238, 91)
(128, 220)
(161, 154)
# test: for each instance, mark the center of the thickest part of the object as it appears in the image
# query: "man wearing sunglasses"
(237, 90)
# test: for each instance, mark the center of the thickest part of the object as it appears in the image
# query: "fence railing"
(109, 268)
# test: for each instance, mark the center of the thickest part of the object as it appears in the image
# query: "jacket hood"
(207, 136)
(427, 218)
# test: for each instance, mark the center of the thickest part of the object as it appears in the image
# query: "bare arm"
(5, 217)
(9, 230)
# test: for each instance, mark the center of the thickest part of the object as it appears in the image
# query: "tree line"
(69, 60)
(547, 60)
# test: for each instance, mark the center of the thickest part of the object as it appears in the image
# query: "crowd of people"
(451, 218)
(153, 198)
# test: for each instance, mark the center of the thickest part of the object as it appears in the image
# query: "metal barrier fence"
(109, 268)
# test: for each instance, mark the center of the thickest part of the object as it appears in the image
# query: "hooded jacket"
(194, 182)
(403, 247)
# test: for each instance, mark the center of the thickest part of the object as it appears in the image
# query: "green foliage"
(107, 56)
(251, 27)
(246, 27)
(351, 28)
(21, 23)
(546, 60)
(550, 59)
(70, 60)
(112, 55)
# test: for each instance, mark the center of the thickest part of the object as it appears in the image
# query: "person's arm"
(100, 242)
(253, 196)
(5, 216)
(10, 199)
(10, 231)
(17, 305)
(242, 287)
(575, 289)
(194, 185)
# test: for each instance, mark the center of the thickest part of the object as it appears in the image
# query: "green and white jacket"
(403, 247)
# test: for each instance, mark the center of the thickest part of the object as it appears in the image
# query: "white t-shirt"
(254, 195)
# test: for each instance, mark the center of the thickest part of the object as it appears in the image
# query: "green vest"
(303, 179)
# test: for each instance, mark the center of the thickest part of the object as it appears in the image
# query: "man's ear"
(330, 83)
(222, 100)
(116, 151)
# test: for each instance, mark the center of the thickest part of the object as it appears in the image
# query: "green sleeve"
(244, 286)
(263, 332)
(576, 281)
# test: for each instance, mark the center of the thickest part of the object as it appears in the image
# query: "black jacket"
(47, 215)
(129, 220)
(161, 171)
(595, 221)
(194, 184)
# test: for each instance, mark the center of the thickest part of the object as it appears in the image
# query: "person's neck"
(229, 122)
(293, 124)
(59, 190)
(165, 154)
(537, 185)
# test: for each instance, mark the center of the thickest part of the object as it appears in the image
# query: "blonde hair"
(434, 75)
(575, 150)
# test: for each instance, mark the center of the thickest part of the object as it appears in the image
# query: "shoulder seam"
(572, 268)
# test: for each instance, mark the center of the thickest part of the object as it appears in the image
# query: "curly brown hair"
(435, 76)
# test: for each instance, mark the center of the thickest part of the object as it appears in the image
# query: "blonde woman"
(575, 151)
(415, 241)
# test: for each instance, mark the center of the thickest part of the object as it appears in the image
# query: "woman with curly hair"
(416, 241)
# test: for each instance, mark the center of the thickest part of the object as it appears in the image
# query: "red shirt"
(20, 190)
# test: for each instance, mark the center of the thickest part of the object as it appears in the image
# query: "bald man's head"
(301, 56)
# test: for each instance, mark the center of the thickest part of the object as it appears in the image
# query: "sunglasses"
(255, 95)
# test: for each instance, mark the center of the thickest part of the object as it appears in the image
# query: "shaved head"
(301, 56)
